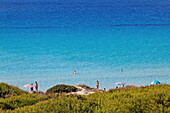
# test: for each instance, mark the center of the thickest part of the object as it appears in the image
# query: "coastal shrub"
(5, 106)
(83, 86)
(61, 104)
(21, 100)
(62, 89)
(150, 99)
(8, 90)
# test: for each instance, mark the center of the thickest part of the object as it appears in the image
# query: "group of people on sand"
(36, 87)
(97, 82)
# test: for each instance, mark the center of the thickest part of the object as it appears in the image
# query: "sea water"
(45, 41)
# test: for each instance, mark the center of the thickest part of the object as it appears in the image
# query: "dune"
(84, 90)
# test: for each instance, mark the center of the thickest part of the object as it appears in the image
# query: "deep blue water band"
(53, 27)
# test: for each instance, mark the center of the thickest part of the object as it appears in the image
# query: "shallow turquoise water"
(46, 44)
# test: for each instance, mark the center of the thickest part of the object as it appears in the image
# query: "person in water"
(74, 72)
(97, 84)
(36, 86)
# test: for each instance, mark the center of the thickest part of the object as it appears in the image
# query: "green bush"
(62, 89)
(20, 101)
(8, 90)
(23, 100)
(61, 104)
(5, 106)
(84, 86)
(150, 99)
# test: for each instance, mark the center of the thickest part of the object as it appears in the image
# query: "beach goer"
(74, 72)
(36, 86)
(97, 84)
(31, 89)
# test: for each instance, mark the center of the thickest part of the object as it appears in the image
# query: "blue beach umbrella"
(155, 82)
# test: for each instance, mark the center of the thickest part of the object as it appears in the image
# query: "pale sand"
(85, 91)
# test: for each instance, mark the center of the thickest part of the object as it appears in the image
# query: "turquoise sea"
(45, 41)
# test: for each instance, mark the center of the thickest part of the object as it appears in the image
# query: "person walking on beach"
(36, 86)
(97, 84)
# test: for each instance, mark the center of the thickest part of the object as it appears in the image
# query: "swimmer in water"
(121, 69)
(74, 72)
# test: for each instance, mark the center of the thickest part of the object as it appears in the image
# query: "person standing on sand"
(36, 86)
(31, 89)
(97, 84)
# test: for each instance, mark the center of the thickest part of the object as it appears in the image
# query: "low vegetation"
(150, 99)
(8, 90)
(62, 89)
(20, 101)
